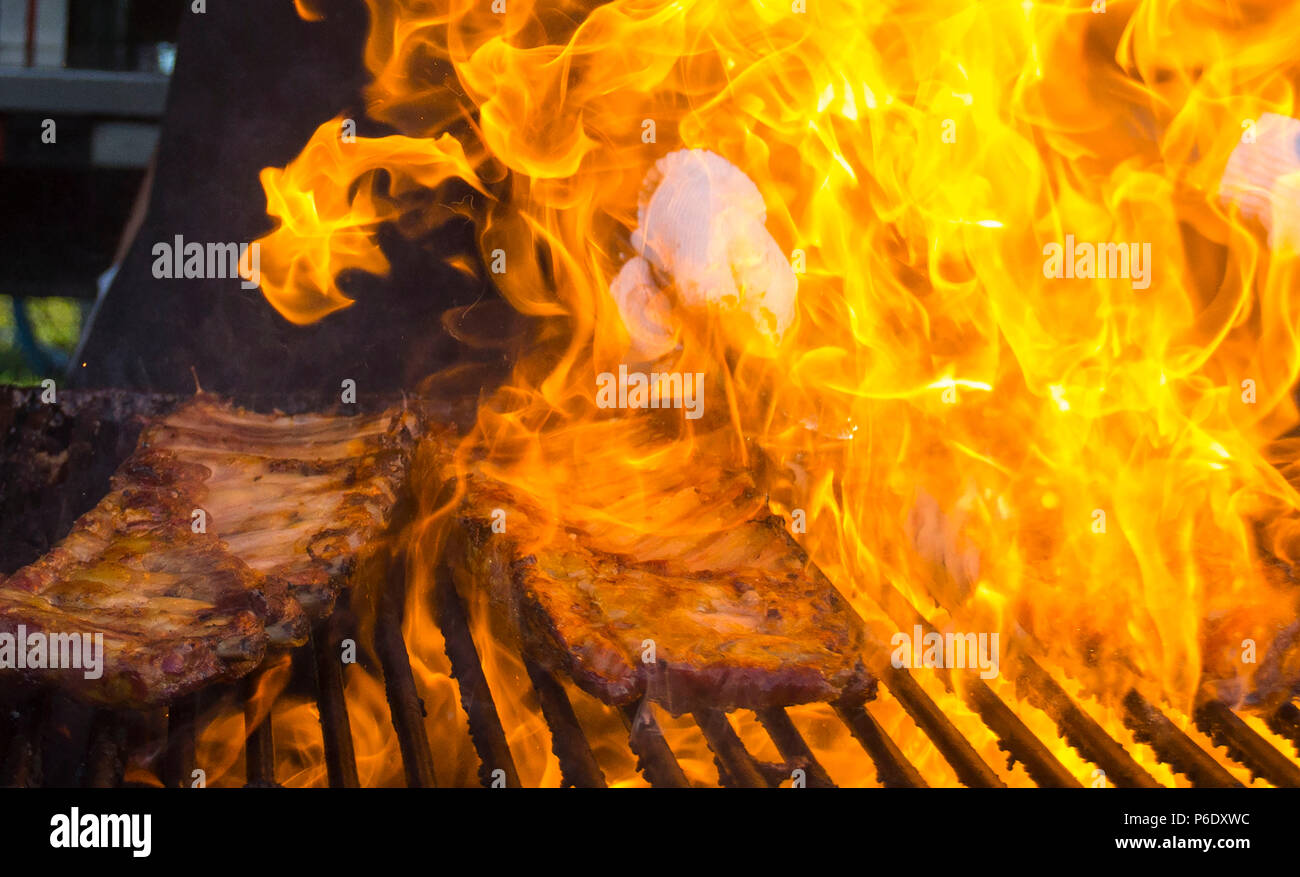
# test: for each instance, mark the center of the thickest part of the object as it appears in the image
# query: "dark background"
(252, 81)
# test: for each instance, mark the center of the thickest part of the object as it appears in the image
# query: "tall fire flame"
(1086, 464)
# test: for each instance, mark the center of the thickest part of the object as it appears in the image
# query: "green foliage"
(57, 324)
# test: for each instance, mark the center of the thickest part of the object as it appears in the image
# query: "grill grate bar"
(335, 726)
(105, 761)
(1226, 728)
(654, 756)
(64, 735)
(893, 770)
(403, 700)
(178, 760)
(259, 744)
(22, 765)
(103, 736)
(578, 765)
(955, 748)
(10, 713)
(1079, 729)
(1014, 737)
(1017, 740)
(1285, 722)
(485, 729)
(1175, 748)
(790, 743)
(736, 767)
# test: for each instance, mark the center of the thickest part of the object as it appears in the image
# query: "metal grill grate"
(45, 747)
(48, 739)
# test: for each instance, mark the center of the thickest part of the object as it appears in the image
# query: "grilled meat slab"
(176, 610)
(688, 591)
(296, 497)
(290, 503)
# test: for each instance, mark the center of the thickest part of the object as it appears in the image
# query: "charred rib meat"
(724, 610)
(288, 504)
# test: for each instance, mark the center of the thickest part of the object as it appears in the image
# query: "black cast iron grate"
(46, 739)
(39, 749)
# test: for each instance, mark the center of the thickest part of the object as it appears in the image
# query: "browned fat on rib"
(298, 497)
(723, 610)
(176, 611)
(289, 503)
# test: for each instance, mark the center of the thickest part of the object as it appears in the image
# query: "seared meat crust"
(175, 609)
(296, 497)
(289, 504)
(734, 616)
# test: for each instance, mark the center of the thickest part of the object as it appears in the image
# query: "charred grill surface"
(39, 745)
(654, 756)
(336, 729)
(893, 770)
(1228, 729)
(476, 698)
(1174, 747)
(792, 747)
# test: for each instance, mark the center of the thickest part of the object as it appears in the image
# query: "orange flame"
(329, 203)
(1081, 463)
